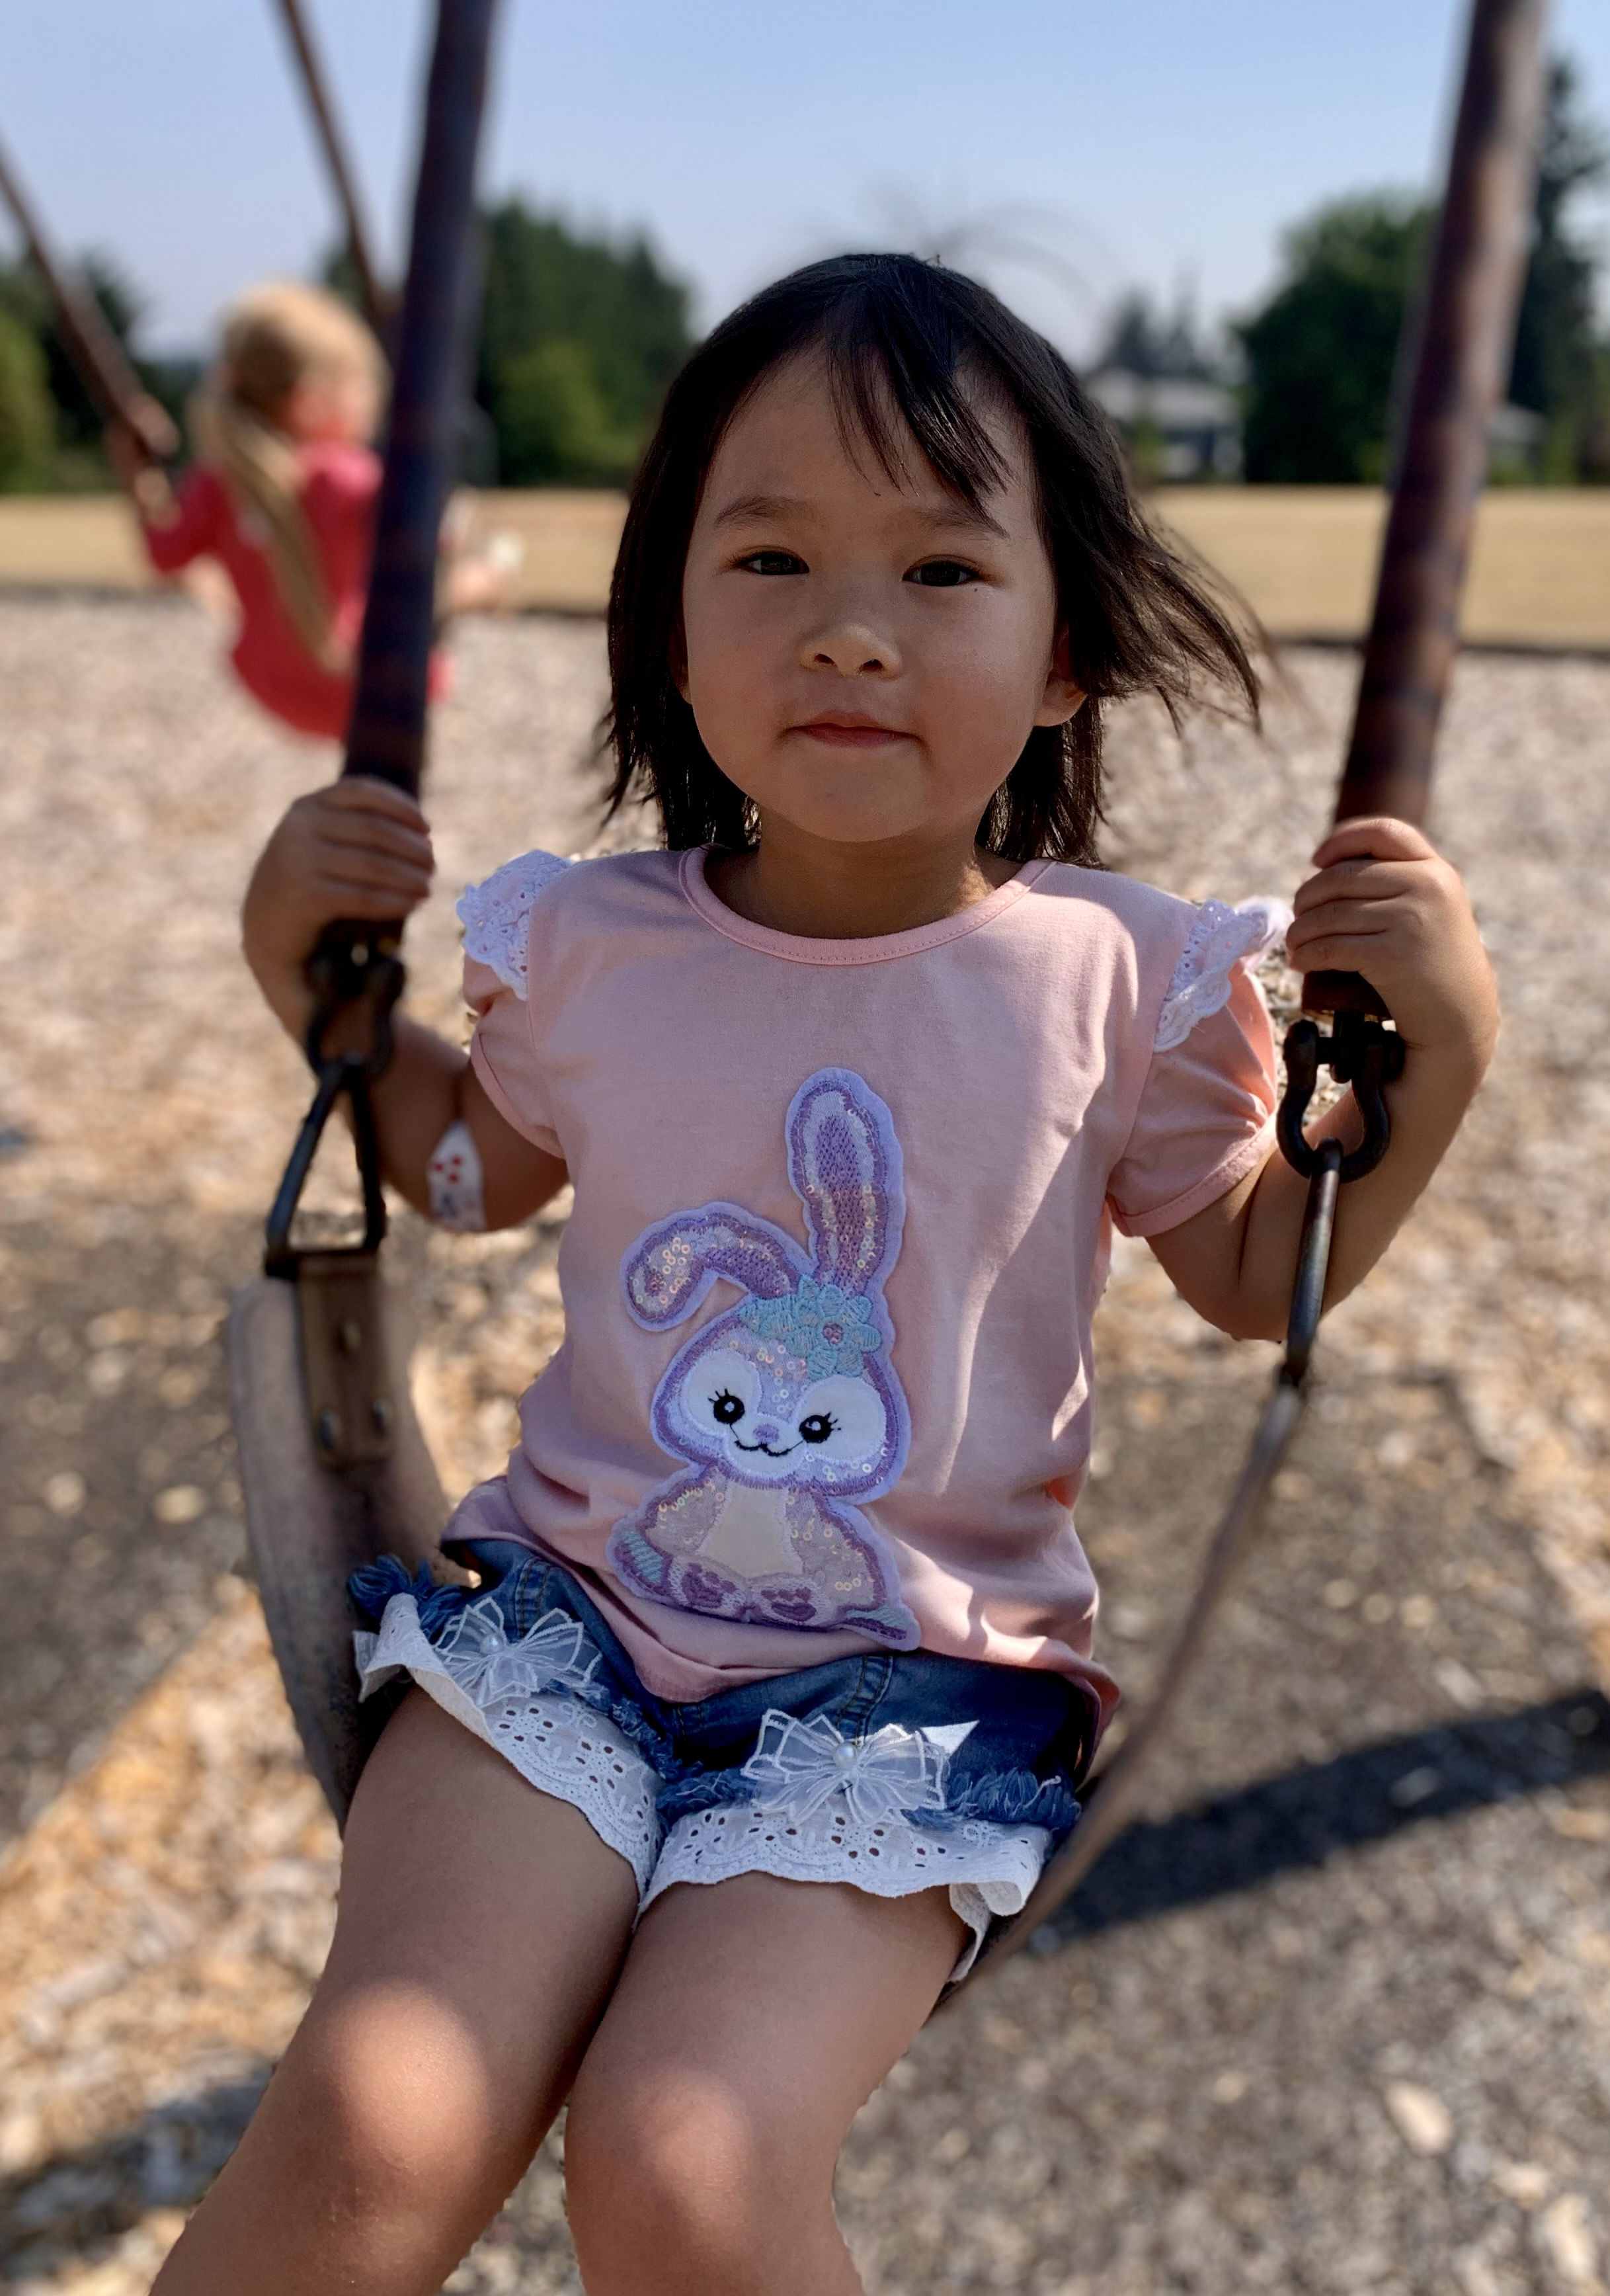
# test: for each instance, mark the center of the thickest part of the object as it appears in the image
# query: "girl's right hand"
(359, 848)
(145, 482)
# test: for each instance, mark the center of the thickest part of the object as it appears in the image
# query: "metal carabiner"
(346, 1073)
(352, 965)
(1363, 1052)
(355, 964)
(1359, 1051)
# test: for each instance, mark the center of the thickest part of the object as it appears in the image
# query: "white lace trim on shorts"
(1221, 939)
(989, 1869)
(520, 1698)
(555, 1741)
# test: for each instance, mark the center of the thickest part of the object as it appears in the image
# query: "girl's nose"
(853, 645)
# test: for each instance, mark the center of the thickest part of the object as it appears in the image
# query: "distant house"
(1516, 441)
(1175, 428)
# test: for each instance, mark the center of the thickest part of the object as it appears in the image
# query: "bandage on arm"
(453, 1182)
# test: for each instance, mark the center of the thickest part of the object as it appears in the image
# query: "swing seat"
(335, 1471)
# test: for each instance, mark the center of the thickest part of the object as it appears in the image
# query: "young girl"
(779, 1685)
(283, 495)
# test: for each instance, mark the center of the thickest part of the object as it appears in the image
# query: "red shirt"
(340, 486)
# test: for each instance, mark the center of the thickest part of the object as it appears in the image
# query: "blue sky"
(1065, 148)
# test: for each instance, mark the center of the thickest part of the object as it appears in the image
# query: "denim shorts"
(893, 1771)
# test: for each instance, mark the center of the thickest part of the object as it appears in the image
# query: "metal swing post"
(1465, 327)
(333, 1464)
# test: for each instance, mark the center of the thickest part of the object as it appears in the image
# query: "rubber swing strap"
(1456, 354)
(99, 359)
(356, 961)
(387, 734)
(1460, 345)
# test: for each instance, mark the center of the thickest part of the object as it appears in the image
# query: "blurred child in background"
(283, 494)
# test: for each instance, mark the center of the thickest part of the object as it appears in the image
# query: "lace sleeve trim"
(1220, 939)
(496, 915)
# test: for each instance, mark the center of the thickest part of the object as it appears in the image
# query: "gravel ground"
(1337, 2017)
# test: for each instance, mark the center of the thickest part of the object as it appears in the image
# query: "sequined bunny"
(787, 1406)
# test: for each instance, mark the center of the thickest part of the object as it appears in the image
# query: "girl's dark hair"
(907, 342)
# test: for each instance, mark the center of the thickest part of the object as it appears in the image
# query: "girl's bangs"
(896, 375)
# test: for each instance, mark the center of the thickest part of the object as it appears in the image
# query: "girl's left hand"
(1383, 903)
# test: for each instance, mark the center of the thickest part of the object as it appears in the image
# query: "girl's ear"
(1064, 697)
(679, 660)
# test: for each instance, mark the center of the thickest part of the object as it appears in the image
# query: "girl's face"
(864, 658)
(337, 405)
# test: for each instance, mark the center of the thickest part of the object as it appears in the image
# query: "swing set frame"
(378, 305)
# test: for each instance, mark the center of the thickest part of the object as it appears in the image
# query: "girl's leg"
(480, 1929)
(752, 2020)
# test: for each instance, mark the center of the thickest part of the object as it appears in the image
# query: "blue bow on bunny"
(787, 1406)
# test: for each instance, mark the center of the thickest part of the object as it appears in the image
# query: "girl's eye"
(818, 1427)
(942, 574)
(772, 561)
(726, 1407)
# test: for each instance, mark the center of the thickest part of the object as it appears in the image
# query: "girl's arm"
(176, 527)
(361, 849)
(1384, 903)
(145, 482)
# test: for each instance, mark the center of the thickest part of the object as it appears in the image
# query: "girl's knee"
(394, 2103)
(676, 2165)
(373, 2161)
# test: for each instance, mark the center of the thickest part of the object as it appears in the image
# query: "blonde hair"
(275, 337)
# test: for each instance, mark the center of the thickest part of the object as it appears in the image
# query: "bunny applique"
(786, 1407)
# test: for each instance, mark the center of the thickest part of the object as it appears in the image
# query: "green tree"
(79, 420)
(75, 461)
(28, 429)
(578, 338)
(1319, 355)
(1559, 369)
(554, 426)
(1144, 339)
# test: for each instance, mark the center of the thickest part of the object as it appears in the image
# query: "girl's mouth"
(846, 730)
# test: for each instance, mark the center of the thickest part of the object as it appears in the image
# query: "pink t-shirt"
(841, 1222)
(340, 487)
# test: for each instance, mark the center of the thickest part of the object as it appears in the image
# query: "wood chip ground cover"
(1385, 2065)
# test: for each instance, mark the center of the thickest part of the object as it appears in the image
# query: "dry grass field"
(1304, 557)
